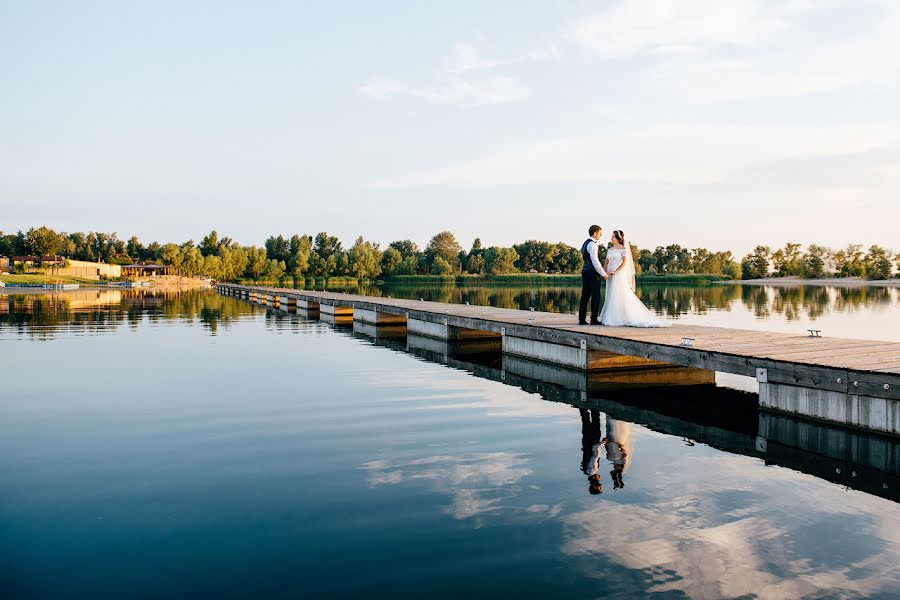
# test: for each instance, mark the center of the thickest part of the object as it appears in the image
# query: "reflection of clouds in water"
(735, 539)
(448, 391)
(477, 483)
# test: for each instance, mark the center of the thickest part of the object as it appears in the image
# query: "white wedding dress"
(622, 307)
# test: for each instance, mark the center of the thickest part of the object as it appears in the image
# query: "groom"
(590, 276)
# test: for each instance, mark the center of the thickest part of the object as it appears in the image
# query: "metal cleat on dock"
(687, 342)
(815, 332)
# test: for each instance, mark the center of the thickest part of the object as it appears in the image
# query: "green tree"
(647, 261)
(79, 246)
(443, 244)
(278, 248)
(409, 266)
(256, 262)
(42, 242)
(273, 270)
(756, 264)
(151, 252)
(212, 266)
(700, 259)
(440, 266)
(134, 248)
(365, 259)
(498, 261)
(850, 262)
(234, 261)
(7, 244)
(567, 259)
(815, 260)
(210, 244)
(300, 250)
(733, 270)
(191, 261)
(171, 255)
(535, 255)
(326, 260)
(405, 247)
(878, 263)
(475, 264)
(788, 261)
(390, 261)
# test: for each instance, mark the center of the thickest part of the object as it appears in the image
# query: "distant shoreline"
(842, 282)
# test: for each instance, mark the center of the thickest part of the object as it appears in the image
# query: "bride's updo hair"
(619, 236)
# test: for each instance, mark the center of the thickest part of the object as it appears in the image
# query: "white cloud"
(676, 153)
(490, 90)
(462, 80)
(735, 49)
(665, 27)
(693, 544)
(477, 483)
(454, 90)
(871, 57)
(467, 58)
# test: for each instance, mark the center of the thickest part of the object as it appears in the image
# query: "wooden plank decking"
(864, 367)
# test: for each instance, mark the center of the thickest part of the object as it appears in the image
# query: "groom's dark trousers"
(590, 290)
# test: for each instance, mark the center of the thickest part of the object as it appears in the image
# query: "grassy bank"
(35, 279)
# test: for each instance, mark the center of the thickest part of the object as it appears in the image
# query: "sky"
(719, 123)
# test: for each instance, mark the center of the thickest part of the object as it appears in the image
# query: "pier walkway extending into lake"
(856, 382)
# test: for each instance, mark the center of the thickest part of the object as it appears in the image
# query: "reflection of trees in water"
(814, 301)
(92, 311)
(854, 298)
(668, 300)
(672, 300)
(42, 316)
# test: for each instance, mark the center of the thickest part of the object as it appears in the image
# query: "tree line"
(819, 261)
(324, 256)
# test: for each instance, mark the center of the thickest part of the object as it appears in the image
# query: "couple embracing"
(622, 307)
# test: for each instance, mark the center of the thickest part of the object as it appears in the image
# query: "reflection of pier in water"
(853, 382)
(678, 401)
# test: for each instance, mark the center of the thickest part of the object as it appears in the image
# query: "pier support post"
(598, 381)
(374, 317)
(334, 310)
(391, 331)
(332, 319)
(879, 414)
(308, 314)
(443, 331)
(574, 357)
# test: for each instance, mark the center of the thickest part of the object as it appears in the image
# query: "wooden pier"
(854, 382)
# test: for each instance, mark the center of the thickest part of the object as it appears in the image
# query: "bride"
(622, 307)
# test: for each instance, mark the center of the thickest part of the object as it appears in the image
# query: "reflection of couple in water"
(617, 445)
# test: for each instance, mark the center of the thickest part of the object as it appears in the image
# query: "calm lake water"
(193, 445)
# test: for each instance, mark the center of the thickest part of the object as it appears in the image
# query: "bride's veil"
(629, 264)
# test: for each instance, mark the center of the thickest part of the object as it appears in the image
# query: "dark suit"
(590, 285)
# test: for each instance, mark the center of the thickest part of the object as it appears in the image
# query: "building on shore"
(148, 270)
(60, 265)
